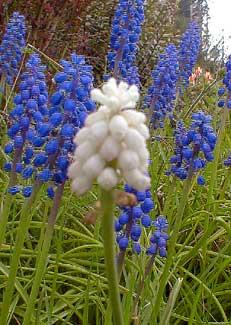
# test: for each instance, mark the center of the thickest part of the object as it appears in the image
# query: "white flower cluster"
(112, 145)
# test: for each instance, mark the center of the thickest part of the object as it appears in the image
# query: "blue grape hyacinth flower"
(225, 92)
(158, 240)
(26, 118)
(42, 135)
(225, 96)
(188, 53)
(125, 34)
(227, 161)
(193, 147)
(162, 94)
(11, 47)
(69, 106)
(133, 218)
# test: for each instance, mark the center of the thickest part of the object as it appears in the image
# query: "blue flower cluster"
(11, 47)
(125, 34)
(26, 118)
(162, 94)
(158, 241)
(188, 53)
(225, 96)
(44, 135)
(133, 217)
(200, 138)
(226, 90)
(69, 106)
(227, 162)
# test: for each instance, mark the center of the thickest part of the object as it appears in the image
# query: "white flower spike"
(112, 145)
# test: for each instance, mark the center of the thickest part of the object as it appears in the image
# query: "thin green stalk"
(141, 287)
(23, 226)
(120, 263)
(216, 154)
(107, 204)
(171, 302)
(214, 176)
(57, 259)
(225, 184)
(169, 197)
(171, 250)
(2, 89)
(4, 216)
(42, 257)
(199, 97)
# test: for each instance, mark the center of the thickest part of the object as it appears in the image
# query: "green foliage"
(74, 287)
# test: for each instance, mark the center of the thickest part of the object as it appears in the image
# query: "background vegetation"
(74, 288)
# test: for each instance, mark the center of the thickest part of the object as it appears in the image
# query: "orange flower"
(208, 76)
(192, 78)
(198, 71)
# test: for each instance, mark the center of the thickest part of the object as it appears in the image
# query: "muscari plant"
(108, 146)
(69, 107)
(25, 122)
(30, 107)
(50, 138)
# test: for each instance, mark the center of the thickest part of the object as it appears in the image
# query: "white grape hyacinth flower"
(112, 144)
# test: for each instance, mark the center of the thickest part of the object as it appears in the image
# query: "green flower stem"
(107, 204)
(225, 184)
(43, 254)
(171, 249)
(214, 176)
(216, 154)
(169, 198)
(197, 100)
(120, 263)
(2, 89)
(4, 216)
(141, 286)
(23, 226)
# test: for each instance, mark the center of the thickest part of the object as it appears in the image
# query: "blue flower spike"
(162, 93)
(43, 134)
(158, 240)
(225, 96)
(188, 53)
(193, 148)
(11, 47)
(26, 129)
(133, 219)
(129, 226)
(125, 34)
